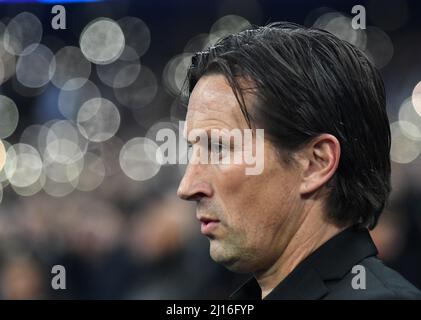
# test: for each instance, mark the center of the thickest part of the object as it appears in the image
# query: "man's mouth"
(208, 225)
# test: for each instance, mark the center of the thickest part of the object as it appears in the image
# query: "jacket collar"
(333, 260)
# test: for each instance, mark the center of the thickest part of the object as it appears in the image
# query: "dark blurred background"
(77, 187)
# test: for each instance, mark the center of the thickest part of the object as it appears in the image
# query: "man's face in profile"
(247, 218)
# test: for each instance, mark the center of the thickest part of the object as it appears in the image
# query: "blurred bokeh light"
(83, 181)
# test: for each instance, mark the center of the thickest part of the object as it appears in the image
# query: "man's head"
(321, 104)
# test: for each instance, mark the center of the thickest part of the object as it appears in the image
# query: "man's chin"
(224, 257)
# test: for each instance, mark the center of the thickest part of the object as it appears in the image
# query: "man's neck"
(310, 235)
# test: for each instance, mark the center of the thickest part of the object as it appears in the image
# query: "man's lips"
(208, 225)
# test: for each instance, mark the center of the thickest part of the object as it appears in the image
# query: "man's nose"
(194, 186)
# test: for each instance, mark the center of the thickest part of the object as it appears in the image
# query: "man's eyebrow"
(208, 136)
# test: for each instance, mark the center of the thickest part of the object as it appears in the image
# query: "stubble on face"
(253, 210)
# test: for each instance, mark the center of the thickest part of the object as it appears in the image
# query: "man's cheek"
(236, 184)
(235, 172)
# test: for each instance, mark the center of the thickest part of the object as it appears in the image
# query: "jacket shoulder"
(381, 282)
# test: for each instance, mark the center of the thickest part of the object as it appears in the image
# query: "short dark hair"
(308, 82)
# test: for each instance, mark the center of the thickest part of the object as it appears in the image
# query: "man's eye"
(218, 148)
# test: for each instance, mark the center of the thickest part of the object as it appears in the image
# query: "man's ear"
(319, 160)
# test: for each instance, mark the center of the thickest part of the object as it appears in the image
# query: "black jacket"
(327, 274)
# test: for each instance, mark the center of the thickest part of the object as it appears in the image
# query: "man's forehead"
(213, 102)
(209, 94)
